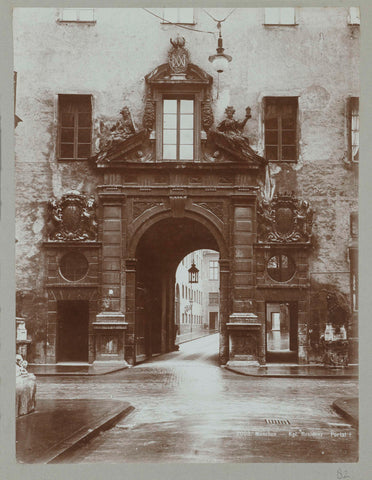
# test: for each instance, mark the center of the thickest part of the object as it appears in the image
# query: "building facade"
(189, 296)
(128, 158)
(197, 304)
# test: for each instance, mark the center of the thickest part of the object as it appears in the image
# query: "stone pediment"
(193, 75)
(121, 140)
(229, 137)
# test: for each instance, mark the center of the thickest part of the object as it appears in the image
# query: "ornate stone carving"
(120, 140)
(227, 180)
(178, 56)
(140, 207)
(149, 113)
(122, 129)
(25, 388)
(207, 113)
(73, 217)
(285, 219)
(178, 204)
(214, 207)
(228, 136)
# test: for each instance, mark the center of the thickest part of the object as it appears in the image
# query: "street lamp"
(220, 61)
(193, 273)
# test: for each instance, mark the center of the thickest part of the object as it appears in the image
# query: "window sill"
(283, 161)
(84, 22)
(73, 159)
(177, 23)
(280, 24)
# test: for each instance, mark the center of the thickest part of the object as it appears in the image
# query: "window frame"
(353, 18)
(213, 270)
(279, 23)
(213, 298)
(280, 99)
(75, 127)
(77, 10)
(178, 128)
(186, 92)
(165, 21)
(352, 102)
(280, 270)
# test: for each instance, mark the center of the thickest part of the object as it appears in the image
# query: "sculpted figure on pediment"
(229, 137)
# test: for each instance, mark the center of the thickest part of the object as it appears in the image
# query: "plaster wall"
(316, 60)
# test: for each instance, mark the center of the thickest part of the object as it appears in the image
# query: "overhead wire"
(177, 24)
(215, 19)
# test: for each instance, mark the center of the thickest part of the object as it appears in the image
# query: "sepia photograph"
(186, 235)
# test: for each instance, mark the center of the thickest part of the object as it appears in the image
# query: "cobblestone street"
(188, 409)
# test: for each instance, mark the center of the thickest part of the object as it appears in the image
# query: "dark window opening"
(213, 298)
(281, 129)
(353, 130)
(281, 268)
(73, 266)
(75, 126)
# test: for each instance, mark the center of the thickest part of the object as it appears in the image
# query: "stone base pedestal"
(110, 330)
(25, 394)
(336, 353)
(244, 339)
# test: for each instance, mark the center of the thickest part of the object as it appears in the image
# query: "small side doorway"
(281, 332)
(213, 320)
(72, 334)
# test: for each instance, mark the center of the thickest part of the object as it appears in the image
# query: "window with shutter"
(75, 127)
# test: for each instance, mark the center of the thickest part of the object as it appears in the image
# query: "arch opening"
(159, 302)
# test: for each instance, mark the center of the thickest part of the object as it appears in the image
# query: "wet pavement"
(57, 426)
(283, 370)
(188, 409)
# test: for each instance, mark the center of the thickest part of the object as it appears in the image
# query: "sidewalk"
(58, 426)
(187, 337)
(300, 371)
(348, 407)
(74, 369)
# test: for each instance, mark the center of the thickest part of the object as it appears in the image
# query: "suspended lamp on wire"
(220, 61)
(193, 273)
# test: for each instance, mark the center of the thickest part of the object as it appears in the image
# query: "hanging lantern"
(221, 60)
(193, 274)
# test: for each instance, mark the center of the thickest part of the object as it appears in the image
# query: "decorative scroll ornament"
(140, 207)
(229, 137)
(214, 207)
(178, 56)
(285, 219)
(207, 113)
(149, 113)
(73, 217)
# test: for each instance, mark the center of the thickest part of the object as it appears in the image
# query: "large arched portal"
(158, 253)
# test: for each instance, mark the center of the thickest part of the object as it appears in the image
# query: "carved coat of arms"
(73, 217)
(178, 57)
(285, 219)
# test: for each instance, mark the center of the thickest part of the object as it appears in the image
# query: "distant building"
(197, 304)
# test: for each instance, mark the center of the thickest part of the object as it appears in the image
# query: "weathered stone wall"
(316, 60)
